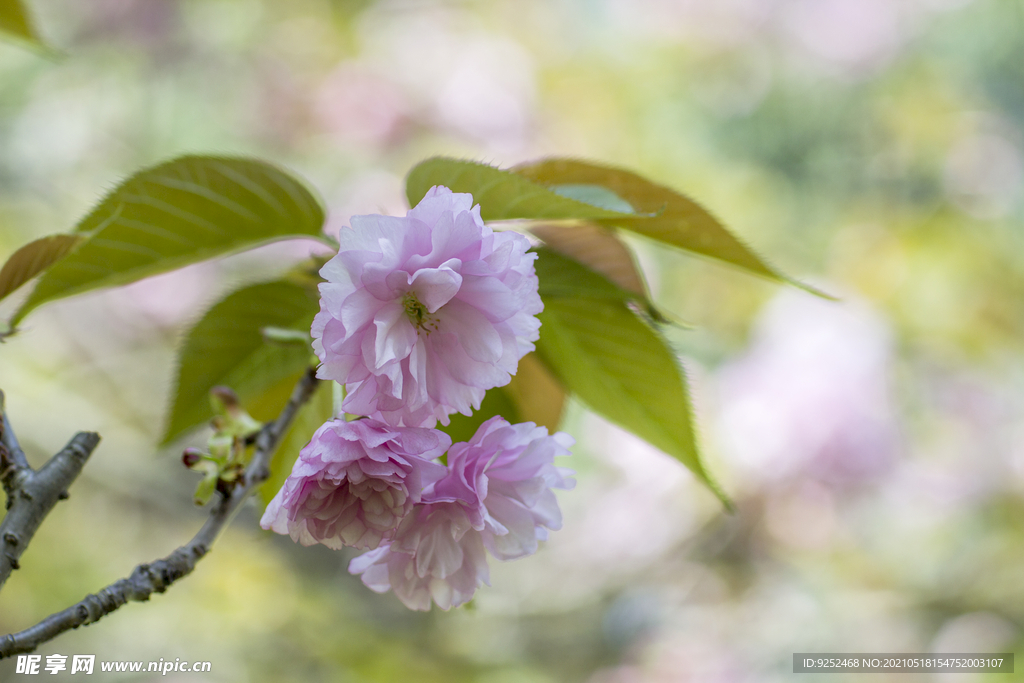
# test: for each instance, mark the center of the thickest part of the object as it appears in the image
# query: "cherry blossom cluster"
(419, 317)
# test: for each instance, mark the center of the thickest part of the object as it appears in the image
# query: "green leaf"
(227, 347)
(34, 258)
(502, 195)
(496, 402)
(594, 194)
(318, 410)
(600, 250)
(282, 335)
(620, 367)
(536, 393)
(205, 489)
(15, 21)
(180, 212)
(672, 218)
(533, 395)
(561, 276)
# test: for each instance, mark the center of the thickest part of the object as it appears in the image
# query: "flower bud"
(191, 457)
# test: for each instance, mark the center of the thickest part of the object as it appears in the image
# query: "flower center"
(418, 314)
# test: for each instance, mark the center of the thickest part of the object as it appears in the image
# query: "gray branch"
(32, 494)
(157, 576)
(14, 467)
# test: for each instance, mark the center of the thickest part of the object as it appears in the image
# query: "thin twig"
(157, 576)
(14, 467)
(34, 496)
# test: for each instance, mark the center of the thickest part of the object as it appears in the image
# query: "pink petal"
(395, 335)
(434, 287)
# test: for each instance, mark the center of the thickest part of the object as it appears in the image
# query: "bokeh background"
(874, 445)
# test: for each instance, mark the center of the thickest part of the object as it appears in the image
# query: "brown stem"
(155, 577)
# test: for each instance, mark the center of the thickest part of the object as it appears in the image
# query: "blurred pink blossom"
(812, 394)
(421, 315)
(856, 35)
(358, 105)
(354, 482)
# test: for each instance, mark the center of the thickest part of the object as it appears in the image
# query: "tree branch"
(14, 467)
(33, 494)
(157, 576)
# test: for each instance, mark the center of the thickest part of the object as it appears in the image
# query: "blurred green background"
(874, 446)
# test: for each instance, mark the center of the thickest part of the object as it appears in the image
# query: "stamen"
(418, 314)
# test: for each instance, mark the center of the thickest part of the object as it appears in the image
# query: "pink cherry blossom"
(497, 494)
(510, 470)
(421, 314)
(436, 555)
(354, 482)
